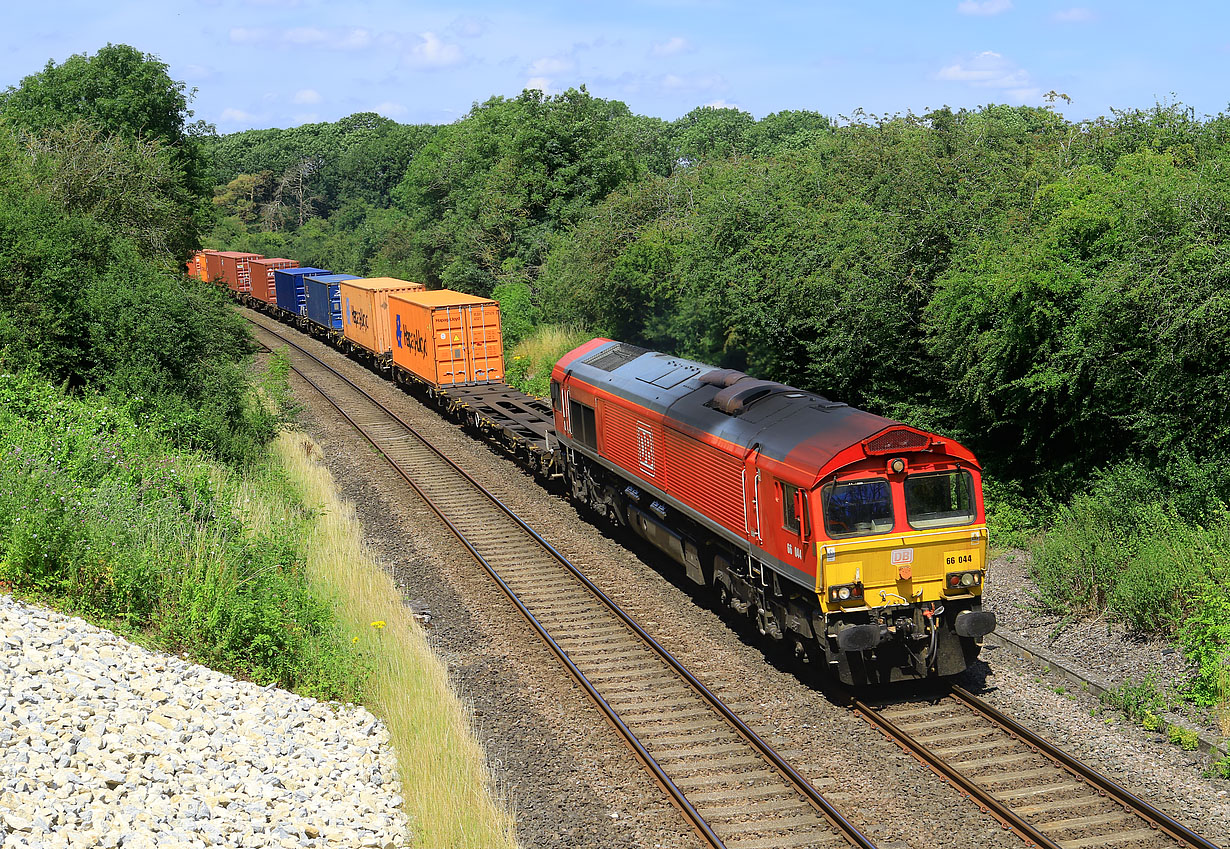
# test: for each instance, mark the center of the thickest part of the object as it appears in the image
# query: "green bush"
(101, 517)
(1125, 548)
(1011, 521)
(1141, 701)
(1205, 637)
(528, 365)
(1188, 741)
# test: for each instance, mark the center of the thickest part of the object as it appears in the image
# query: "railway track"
(731, 786)
(1050, 799)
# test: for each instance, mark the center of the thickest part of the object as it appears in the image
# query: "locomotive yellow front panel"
(902, 568)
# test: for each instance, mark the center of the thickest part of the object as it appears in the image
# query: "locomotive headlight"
(962, 581)
(845, 592)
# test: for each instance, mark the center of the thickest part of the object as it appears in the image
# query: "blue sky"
(278, 63)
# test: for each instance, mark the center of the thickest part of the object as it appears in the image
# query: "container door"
(458, 347)
(450, 345)
(487, 357)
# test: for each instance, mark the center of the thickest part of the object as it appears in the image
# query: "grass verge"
(529, 365)
(443, 769)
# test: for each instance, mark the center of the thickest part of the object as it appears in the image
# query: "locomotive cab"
(902, 565)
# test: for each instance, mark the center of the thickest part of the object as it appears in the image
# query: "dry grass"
(529, 367)
(443, 770)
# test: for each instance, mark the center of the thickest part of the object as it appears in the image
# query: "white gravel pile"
(105, 744)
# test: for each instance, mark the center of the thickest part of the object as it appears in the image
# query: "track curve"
(731, 786)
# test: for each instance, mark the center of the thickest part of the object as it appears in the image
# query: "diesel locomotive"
(860, 539)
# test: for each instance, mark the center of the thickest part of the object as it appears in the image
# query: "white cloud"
(1075, 15)
(197, 73)
(390, 110)
(237, 116)
(696, 82)
(304, 35)
(721, 104)
(989, 69)
(467, 26)
(431, 52)
(983, 7)
(545, 66)
(305, 118)
(332, 39)
(541, 83)
(355, 39)
(306, 95)
(671, 47)
(246, 35)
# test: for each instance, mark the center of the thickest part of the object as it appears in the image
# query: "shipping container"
(213, 266)
(195, 265)
(365, 311)
(324, 300)
(447, 338)
(262, 276)
(288, 287)
(236, 272)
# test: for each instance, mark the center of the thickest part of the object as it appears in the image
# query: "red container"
(213, 267)
(236, 273)
(261, 271)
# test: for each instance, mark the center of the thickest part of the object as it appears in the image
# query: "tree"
(247, 196)
(124, 93)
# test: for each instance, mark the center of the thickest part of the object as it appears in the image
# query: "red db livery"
(860, 539)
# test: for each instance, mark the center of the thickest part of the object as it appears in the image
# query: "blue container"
(288, 287)
(324, 301)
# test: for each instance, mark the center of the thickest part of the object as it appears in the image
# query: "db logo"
(902, 556)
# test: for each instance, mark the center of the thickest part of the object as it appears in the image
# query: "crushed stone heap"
(105, 744)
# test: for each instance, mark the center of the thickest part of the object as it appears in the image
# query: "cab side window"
(790, 503)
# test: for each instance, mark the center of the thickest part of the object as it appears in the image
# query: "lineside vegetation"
(140, 483)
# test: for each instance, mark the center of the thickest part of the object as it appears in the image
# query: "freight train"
(859, 540)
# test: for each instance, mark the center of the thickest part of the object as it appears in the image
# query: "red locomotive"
(861, 539)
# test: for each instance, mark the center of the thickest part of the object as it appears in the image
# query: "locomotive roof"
(790, 425)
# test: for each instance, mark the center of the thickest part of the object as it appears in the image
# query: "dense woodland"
(1051, 292)
(136, 485)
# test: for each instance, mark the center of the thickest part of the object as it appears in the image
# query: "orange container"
(236, 272)
(365, 310)
(447, 338)
(261, 271)
(196, 265)
(213, 266)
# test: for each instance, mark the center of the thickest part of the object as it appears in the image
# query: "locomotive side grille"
(708, 479)
(897, 440)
